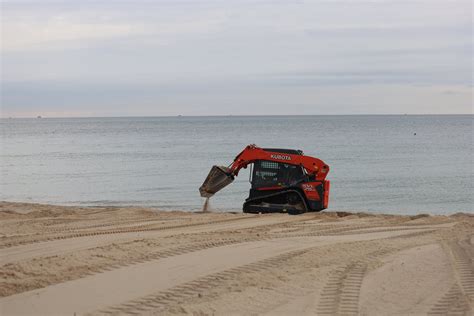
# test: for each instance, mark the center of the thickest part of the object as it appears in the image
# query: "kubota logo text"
(281, 157)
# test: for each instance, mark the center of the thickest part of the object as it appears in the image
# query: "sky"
(69, 58)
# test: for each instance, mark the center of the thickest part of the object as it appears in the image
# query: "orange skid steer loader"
(282, 180)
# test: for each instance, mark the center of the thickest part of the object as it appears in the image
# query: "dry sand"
(104, 261)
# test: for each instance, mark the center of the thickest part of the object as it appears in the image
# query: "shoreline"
(117, 260)
(158, 208)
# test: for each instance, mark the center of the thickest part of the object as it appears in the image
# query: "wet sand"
(108, 260)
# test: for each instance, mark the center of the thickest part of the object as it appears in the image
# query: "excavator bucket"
(218, 178)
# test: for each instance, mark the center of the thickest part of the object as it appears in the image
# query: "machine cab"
(268, 175)
(271, 175)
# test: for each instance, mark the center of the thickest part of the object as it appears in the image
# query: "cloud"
(223, 55)
(62, 27)
(20, 36)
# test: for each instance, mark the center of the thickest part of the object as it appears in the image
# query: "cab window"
(271, 174)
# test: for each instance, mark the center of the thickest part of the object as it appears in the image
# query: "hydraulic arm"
(253, 153)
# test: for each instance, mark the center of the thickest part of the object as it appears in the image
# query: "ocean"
(398, 164)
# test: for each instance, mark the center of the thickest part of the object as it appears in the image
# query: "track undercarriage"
(289, 201)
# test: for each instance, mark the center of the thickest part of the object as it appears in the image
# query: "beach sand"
(59, 260)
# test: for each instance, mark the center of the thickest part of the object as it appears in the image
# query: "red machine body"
(253, 153)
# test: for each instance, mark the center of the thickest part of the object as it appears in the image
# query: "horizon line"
(230, 115)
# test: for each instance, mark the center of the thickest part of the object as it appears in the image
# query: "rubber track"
(143, 228)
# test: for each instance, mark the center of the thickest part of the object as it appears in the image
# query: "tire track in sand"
(340, 296)
(459, 300)
(188, 248)
(210, 242)
(157, 255)
(160, 300)
(59, 246)
(115, 287)
(138, 280)
(335, 230)
(127, 223)
(302, 299)
(119, 230)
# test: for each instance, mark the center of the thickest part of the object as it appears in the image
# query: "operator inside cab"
(288, 174)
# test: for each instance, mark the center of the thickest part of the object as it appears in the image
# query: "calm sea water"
(377, 163)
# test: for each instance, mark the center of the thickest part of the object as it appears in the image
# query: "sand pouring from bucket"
(218, 178)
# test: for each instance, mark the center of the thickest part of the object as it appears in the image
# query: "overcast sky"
(119, 58)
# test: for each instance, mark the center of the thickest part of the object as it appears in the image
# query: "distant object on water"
(39, 116)
(414, 134)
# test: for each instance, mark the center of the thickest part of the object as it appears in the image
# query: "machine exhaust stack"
(218, 178)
